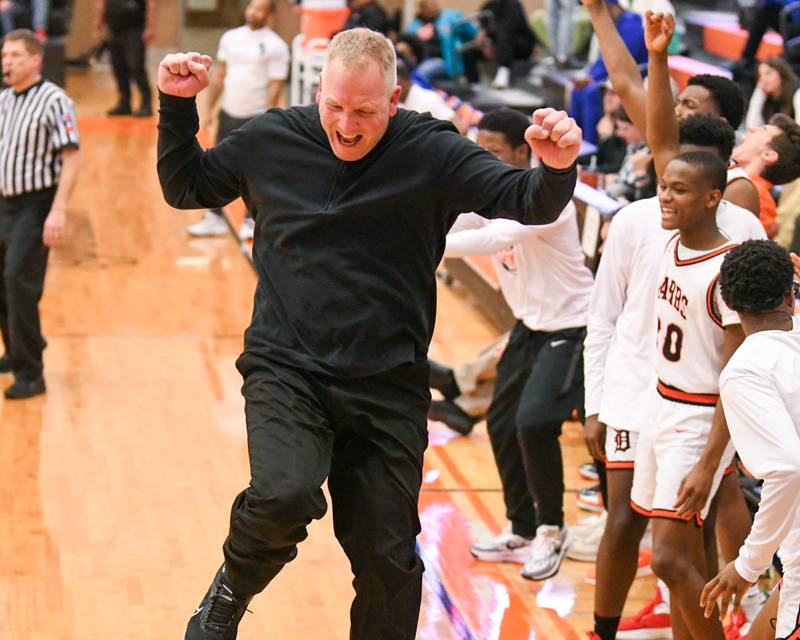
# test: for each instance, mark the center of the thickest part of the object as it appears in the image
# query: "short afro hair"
(756, 276)
(787, 145)
(711, 168)
(727, 95)
(511, 123)
(705, 130)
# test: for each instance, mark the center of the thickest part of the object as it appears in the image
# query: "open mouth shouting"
(348, 141)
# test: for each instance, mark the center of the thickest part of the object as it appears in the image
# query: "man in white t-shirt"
(760, 391)
(252, 67)
(539, 382)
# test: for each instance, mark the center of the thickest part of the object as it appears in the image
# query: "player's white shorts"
(667, 451)
(620, 448)
(788, 624)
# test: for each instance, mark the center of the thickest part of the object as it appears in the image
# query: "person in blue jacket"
(443, 31)
(586, 105)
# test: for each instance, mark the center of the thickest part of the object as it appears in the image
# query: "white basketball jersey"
(691, 316)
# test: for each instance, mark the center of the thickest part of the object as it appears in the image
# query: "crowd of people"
(679, 351)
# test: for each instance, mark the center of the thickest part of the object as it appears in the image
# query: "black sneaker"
(5, 364)
(452, 415)
(145, 111)
(120, 110)
(218, 616)
(22, 389)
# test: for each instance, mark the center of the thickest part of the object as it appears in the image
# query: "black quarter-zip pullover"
(346, 252)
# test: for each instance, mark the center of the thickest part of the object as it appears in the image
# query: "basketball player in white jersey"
(687, 437)
(760, 390)
(620, 375)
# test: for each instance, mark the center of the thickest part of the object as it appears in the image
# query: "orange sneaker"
(651, 623)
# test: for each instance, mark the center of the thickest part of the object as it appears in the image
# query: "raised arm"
(474, 180)
(191, 178)
(662, 124)
(622, 68)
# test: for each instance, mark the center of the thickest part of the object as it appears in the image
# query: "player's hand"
(694, 491)
(658, 30)
(184, 74)
(594, 432)
(796, 262)
(554, 137)
(728, 586)
(54, 226)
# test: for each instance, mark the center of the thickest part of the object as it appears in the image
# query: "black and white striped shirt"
(35, 126)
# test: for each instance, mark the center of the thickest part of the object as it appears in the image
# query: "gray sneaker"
(546, 552)
(506, 547)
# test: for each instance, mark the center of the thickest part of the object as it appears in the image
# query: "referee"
(38, 168)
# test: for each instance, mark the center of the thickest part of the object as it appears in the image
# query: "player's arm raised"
(184, 74)
(662, 124)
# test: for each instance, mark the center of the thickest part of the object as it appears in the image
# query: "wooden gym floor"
(115, 487)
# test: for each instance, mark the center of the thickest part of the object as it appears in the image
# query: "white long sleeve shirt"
(618, 354)
(760, 389)
(541, 269)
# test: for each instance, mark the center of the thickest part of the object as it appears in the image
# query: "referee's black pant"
(128, 53)
(23, 257)
(539, 383)
(367, 437)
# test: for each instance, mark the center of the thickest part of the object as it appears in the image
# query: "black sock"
(606, 628)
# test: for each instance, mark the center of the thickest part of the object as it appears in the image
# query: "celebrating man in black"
(352, 202)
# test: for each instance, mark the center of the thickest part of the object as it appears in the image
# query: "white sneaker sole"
(645, 634)
(519, 556)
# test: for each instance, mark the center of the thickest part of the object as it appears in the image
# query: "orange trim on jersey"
(619, 465)
(684, 397)
(710, 303)
(730, 469)
(702, 258)
(665, 513)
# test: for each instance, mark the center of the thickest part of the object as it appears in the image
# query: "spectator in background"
(505, 36)
(413, 50)
(635, 179)
(251, 71)
(777, 91)
(611, 149)
(443, 32)
(10, 9)
(129, 27)
(770, 155)
(586, 105)
(765, 17)
(369, 14)
(559, 26)
(421, 100)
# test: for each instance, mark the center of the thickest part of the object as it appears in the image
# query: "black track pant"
(539, 383)
(23, 258)
(366, 437)
(127, 51)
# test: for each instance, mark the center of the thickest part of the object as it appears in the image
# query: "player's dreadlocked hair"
(756, 276)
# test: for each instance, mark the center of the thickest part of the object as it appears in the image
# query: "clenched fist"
(184, 74)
